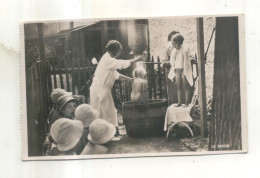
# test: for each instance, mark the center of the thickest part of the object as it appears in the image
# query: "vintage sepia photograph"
(106, 88)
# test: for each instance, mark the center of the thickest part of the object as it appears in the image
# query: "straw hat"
(86, 114)
(64, 99)
(58, 92)
(101, 131)
(66, 133)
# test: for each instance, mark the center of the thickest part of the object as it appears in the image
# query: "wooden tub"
(146, 119)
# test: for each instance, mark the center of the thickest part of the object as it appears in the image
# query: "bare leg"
(178, 75)
(171, 93)
(186, 86)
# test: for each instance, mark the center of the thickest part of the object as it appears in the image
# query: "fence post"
(89, 69)
(66, 59)
(126, 91)
(79, 76)
(44, 82)
(73, 75)
(74, 56)
(83, 58)
(153, 78)
(54, 76)
(120, 90)
(159, 77)
(165, 83)
(202, 86)
(149, 79)
(60, 73)
(49, 84)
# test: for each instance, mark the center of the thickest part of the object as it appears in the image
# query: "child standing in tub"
(138, 86)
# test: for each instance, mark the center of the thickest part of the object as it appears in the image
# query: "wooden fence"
(72, 78)
(38, 106)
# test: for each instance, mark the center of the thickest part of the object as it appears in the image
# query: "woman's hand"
(131, 80)
(125, 78)
(139, 58)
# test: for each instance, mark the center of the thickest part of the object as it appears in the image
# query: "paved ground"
(179, 141)
(196, 143)
(145, 145)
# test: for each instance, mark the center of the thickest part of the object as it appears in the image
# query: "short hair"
(178, 39)
(171, 34)
(139, 72)
(113, 47)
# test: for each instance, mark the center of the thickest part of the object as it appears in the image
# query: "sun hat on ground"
(101, 131)
(64, 99)
(66, 133)
(58, 92)
(86, 114)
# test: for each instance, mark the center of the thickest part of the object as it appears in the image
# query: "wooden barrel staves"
(146, 119)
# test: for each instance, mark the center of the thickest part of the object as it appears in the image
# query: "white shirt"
(181, 59)
(178, 56)
(106, 74)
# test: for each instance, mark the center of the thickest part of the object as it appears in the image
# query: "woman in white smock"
(103, 81)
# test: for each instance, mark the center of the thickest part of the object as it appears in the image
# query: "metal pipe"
(152, 62)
